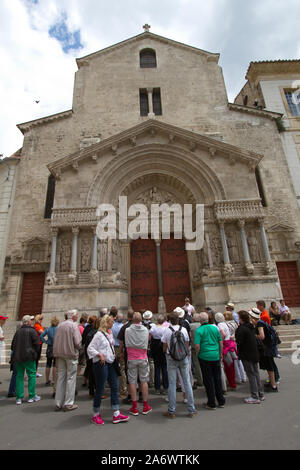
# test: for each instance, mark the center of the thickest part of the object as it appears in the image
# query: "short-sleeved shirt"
(166, 337)
(283, 309)
(208, 337)
(265, 317)
(157, 331)
(116, 330)
(223, 326)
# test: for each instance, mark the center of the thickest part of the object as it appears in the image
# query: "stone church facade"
(151, 121)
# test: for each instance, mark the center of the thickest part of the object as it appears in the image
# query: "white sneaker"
(19, 401)
(34, 399)
(39, 375)
(252, 401)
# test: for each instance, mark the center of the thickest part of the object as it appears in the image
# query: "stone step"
(286, 351)
(287, 333)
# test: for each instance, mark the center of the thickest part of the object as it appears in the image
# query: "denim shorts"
(138, 369)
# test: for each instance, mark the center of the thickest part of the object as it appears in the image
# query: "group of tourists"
(179, 351)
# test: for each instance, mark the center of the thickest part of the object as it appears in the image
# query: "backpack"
(274, 338)
(178, 349)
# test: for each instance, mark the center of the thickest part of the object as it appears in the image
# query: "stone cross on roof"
(146, 27)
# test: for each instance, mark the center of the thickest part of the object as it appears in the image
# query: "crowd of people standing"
(179, 351)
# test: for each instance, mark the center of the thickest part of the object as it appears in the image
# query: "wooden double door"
(145, 275)
(32, 294)
(289, 282)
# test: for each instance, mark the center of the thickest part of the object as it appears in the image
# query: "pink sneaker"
(97, 420)
(120, 418)
(146, 409)
(134, 411)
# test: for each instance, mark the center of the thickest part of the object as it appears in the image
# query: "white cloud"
(34, 66)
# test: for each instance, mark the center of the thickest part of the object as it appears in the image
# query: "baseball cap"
(26, 318)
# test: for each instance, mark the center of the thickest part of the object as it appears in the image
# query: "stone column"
(94, 274)
(53, 250)
(249, 266)
(125, 248)
(73, 273)
(209, 254)
(95, 252)
(126, 261)
(264, 241)
(51, 276)
(161, 300)
(150, 102)
(269, 266)
(228, 268)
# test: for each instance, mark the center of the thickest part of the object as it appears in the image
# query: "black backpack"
(89, 338)
(178, 349)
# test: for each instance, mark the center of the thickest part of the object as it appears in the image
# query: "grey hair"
(203, 316)
(71, 313)
(120, 317)
(196, 317)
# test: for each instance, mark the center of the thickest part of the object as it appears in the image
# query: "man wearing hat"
(266, 359)
(176, 366)
(25, 346)
(230, 308)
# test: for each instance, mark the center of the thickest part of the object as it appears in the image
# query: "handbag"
(116, 363)
(49, 351)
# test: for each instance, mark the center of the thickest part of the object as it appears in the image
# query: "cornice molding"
(84, 61)
(256, 112)
(27, 126)
(267, 67)
(177, 137)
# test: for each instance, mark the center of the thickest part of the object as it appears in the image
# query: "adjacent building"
(8, 173)
(275, 86)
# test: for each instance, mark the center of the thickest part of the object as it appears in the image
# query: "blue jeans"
(184, 368)
(102, 373)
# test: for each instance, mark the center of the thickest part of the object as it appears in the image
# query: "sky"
(40, 40)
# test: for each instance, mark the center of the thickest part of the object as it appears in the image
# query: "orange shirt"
(265, 317)
(39, 329)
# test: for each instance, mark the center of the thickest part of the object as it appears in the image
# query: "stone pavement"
(272, 425)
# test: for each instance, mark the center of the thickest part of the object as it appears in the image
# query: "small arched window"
(246, 100)
(147, 58)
